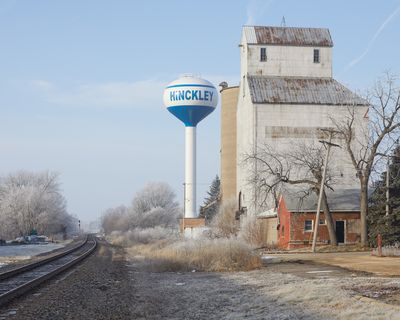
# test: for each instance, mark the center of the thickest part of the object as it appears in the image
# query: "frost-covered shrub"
(143, 236)
(251, 230)
(224, 224)
(153, 206)
(205, 255)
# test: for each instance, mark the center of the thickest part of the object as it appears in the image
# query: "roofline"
(263, 26)
(267, 217)
(288, 45)
(315, 104)
(263, 77)
(227, 88)
(331, 211)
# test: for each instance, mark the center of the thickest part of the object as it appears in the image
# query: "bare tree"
(376, 138)
(302, 165)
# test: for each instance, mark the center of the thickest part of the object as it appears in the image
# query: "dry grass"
(323, 249)
(346, 248)
(142, 236)
(161, 249)
(200, 255)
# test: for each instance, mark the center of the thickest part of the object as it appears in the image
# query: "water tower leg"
(190, 172)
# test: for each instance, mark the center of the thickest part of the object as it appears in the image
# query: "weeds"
(143, 236)
(161, 249)
(251, 231)
(202, 255)
(224, 224)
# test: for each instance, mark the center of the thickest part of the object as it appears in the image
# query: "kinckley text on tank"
(200, 95)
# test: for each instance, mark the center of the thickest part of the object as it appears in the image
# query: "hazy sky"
(81, 82)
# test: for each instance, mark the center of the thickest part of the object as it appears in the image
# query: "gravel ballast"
(108, 285)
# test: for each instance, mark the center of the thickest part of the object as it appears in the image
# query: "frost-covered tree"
(153, 206)
(115, 219)
(211, 203)
(32, 201)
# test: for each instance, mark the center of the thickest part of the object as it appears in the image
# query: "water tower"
(190, 99)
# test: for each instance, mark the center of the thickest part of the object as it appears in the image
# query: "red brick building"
(296, 219)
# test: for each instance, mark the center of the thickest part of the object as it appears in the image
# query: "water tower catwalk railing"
(190, 99)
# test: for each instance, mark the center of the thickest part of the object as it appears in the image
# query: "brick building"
(296, 219)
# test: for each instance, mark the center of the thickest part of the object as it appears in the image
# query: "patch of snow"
(270, 259)
(26, 251)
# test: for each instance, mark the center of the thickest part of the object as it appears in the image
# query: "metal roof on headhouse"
(319, 37)
(291, 90)
(340, 200)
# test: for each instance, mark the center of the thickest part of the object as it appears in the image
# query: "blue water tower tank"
(190, 99)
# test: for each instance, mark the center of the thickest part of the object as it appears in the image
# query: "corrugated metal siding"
(250, 34)
(319, 37)
(301, 91)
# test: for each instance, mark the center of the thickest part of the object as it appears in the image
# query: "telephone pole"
(388, 182)
(328, 144)
(387, 185)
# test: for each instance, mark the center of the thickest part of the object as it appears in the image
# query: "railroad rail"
(16, 282)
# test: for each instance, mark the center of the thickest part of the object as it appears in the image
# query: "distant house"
(296, 219)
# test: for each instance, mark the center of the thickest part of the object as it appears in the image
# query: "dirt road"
(106, 286)
(359, 261)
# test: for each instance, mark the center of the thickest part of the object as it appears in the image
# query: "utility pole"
(387, 185)
(184, 211)
(387, 180)
(329, 144)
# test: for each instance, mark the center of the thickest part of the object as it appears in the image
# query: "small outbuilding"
(296, 219)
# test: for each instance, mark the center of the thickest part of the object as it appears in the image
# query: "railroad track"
(18, 281)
